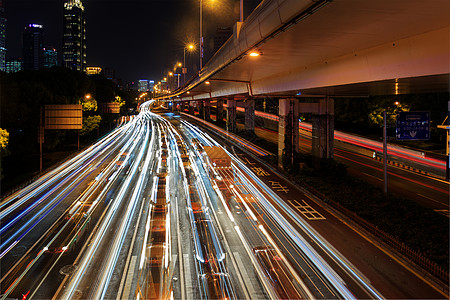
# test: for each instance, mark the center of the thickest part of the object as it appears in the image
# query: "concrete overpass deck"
(331, 48)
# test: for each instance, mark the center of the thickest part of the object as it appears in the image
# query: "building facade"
(50, 57)
(13, 64)
(33, 47)
(2, 38)
(74, 36)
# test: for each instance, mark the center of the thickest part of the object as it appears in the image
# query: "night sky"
(140, 39)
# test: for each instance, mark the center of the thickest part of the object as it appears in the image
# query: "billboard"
(413, 125)
(63, 116)
(110, 108)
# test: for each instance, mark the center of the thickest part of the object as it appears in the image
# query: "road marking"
(278, 187)
(306, 210)
(182, 286)
(372, 176)
(434, 200)
(129, 281)
(260, 171)
(245, 159)
(247, 283)
(187, 277)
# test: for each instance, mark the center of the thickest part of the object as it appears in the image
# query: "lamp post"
(184, 70)
(201, 35)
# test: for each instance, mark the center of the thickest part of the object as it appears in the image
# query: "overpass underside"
(326, 49)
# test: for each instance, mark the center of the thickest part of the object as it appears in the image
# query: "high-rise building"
(143, 85)
(74, 38)
(50, 57)
(151, 84)
(33, 47)
(2, 38)
(13, 64)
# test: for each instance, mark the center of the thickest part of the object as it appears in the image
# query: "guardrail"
(414, 256)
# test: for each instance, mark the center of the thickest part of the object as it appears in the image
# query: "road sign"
(63, 116)
(110, 107)
(413, 125)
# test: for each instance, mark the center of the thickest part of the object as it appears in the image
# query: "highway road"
(428, 190)
(391, 276)
(148, 212)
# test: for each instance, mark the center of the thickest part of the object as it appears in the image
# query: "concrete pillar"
(323, 131)
(201, 109)
(191, 107)
(207, 110)
(287, 130)
(219, 114)
(249, 115)
(231, 115)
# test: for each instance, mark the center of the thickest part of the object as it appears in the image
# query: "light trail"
(101, 232)
(325, 269)
(413, 155)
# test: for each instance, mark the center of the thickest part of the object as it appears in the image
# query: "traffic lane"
(313, 277)
(74, 257)
(57, 261)
(391, 277)
(425, 190)
(57, 199)
(38, 230)
(96, 263)
(307, 273)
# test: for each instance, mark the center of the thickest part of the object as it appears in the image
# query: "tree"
(391, 105)
(89, 103)
(4, 140)
(90, 124)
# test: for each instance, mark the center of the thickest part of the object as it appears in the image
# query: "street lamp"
(189, 47)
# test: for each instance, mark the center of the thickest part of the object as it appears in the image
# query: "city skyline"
(139, 39)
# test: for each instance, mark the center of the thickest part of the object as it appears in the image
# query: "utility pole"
(201, 37)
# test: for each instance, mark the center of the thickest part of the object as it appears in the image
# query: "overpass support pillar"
(191, 107)
(201, 109)
(323, 130)
(249, 115)
(287, 131)
(207, 110)
(231, 115)
(219, 115)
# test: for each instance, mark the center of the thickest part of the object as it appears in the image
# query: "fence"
(415, 256)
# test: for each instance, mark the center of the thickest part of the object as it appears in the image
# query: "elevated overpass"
(325, 49)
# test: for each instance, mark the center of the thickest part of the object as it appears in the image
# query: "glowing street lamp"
(189, 47)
